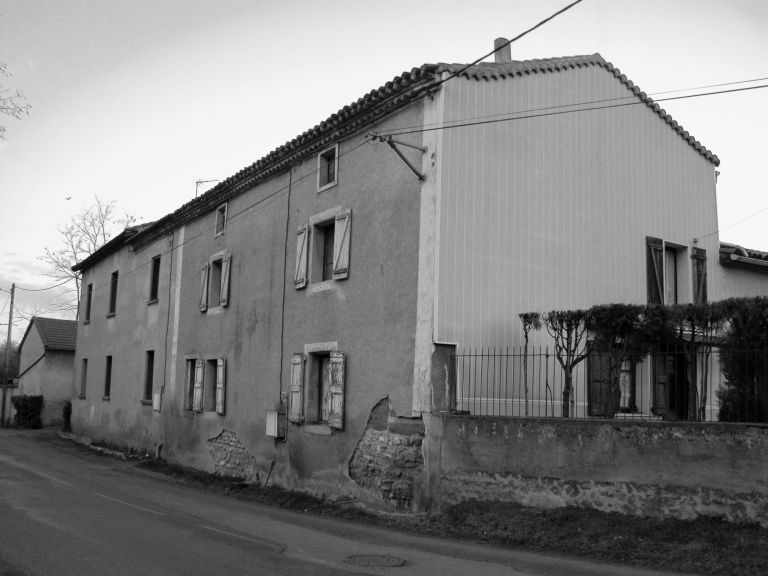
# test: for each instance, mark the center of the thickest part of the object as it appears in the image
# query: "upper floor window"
(214, 282)
(221, 219)
(154, 279)
(699, 262)
(88, 300)
(327, 168)
(149, 375)
(668, 281)
(113, 294)
(322, 248)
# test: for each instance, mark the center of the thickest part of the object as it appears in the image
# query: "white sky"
(135, 100)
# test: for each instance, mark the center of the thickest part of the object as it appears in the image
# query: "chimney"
(503, 55)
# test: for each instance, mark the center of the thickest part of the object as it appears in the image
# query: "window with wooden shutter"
(296, 389)
(224, 286)
(341, 245)
(197, 395)
(204, 287)
(221, 374)
(300, 278)
(336, 396)
(655, 261)
(699, 259)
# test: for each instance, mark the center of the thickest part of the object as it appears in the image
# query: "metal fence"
(656, 386)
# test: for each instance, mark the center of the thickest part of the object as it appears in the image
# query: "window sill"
(323, 286)
(105, 398)
(146, 402)
(81, 396)
(152, 301)
(87, 321)
(111, 315)
(327, 186)
(318, 429)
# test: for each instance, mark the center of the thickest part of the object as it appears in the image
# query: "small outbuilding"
(46, 365)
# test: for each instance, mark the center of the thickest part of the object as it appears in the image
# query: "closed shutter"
(197, 394)
(699, 257)
(655, 259)
(336, 396)
(300, 278)
(221, 386)
(341, 233)
(296, 389)
(204, 287)
(224, 291)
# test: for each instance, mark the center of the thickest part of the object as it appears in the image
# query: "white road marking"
(31, 470)
(128, 504)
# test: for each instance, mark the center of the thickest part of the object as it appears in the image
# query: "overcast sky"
(135, 100)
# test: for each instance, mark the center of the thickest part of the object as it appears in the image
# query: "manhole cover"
(375, 561)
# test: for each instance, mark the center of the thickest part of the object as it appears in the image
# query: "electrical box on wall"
(277, 422)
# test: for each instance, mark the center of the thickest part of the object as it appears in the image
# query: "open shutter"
(224, 290)
(197, 393)
(204, 287)
(296, 389)
(336, 396)
(655, 259)
(341, 233)
(300, 278)
(221, 386)
(699, 257)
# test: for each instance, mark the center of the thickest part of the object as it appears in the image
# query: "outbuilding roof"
(55, 333)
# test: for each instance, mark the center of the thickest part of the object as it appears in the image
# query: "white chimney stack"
(504, 54)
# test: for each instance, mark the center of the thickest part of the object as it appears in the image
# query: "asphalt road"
(67, 510)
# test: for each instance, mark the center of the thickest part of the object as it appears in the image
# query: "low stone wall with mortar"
(659, 469)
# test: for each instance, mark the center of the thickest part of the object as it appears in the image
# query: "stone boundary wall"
(659, 469)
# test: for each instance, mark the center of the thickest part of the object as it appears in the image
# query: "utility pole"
(7, 356)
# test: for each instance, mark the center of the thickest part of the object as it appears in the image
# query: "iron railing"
(648, 386)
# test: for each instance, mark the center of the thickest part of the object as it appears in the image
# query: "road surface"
(66, 510)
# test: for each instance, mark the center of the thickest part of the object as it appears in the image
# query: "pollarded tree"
(530, 321)
(568, 329)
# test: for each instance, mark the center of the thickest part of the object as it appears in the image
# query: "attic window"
(327, 168)
(221, 219)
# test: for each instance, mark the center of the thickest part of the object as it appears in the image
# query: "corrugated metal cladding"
(552, 212)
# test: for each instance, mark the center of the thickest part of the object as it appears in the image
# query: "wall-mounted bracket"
(393, 144)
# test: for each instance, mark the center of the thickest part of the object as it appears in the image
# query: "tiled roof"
(374, 106)
(112, 246)
(56, 334)
(740, 257)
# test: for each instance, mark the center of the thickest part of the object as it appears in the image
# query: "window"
(655, 262)
(214, 283)
(319, 400)
(327, 168)
(83, 377)
(154, 279)
(221, 220)
(326, 256)
(206, 385)
(671, 292)
(699, 262)
(88, 300)
(149, 375)
(108, 377)
(112, 294)
(189, 383)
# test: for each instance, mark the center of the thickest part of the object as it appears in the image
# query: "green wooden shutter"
(336, 396)
(341, 233)
(221, 374)
(296, 389)
(197, 394)
(224, 290)
(655, 260)
(204, 287)
(300, 277)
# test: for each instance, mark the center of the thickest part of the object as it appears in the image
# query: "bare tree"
(85, 233)
(12, 102)
(530, 321)
(568, 330)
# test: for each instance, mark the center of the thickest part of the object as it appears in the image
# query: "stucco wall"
(680, 470)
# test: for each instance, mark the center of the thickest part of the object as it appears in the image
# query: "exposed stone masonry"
(231, 458)
(388, 459)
